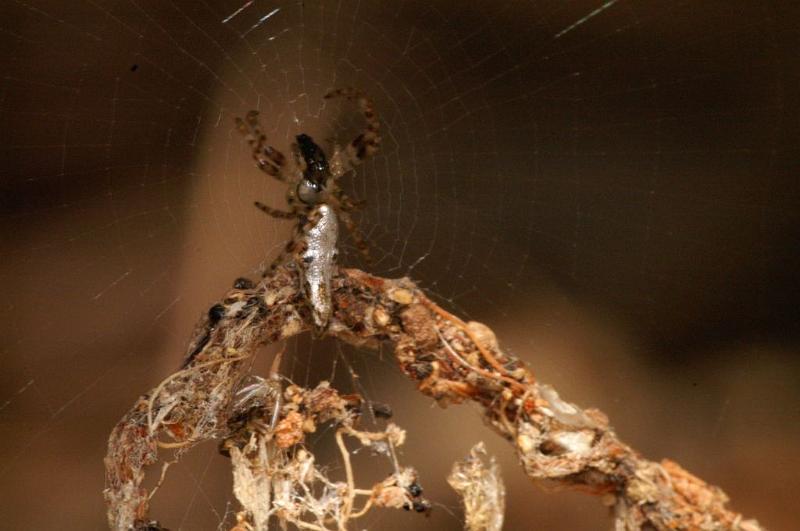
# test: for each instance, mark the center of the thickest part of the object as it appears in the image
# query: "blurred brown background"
(612, 186)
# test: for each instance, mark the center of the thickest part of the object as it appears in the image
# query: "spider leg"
(347, 203)
(299, 161)
(268, 159)
(292, 248)
(274, 212)
(355, 233)
(365, 144)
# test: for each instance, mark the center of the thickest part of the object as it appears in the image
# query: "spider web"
(610, 185)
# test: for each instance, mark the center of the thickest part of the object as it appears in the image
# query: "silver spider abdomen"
(319, 262)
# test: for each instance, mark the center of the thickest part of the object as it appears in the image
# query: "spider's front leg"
(365, 144)
(268, 159)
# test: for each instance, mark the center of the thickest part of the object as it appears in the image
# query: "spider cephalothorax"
(314, 197)
(315, 173)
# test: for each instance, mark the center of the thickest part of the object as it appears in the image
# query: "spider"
(311, 177)
(315, 199)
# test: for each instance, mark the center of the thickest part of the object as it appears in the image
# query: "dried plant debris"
(264, 425)
(195, 403)
(276, 476)
(477, 480)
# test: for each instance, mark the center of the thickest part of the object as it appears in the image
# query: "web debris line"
(19, 392)
(585, 19)
(261, 21)
(232, 15)
(556, 441)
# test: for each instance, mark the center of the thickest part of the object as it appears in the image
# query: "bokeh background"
(612, 186)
